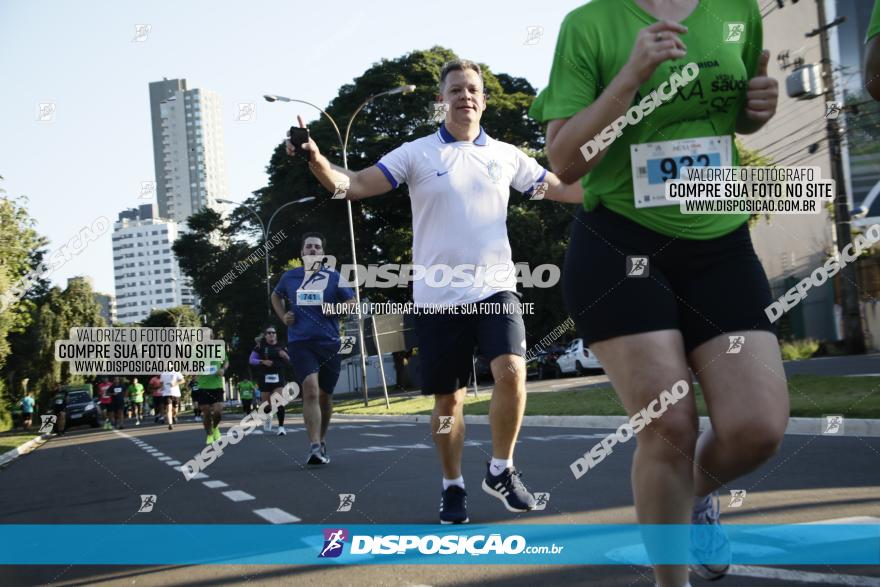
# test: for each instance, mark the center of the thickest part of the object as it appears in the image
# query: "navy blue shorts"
(447, 340)
(316, 357)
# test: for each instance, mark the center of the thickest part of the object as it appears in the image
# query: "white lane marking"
(172, 463)
(158, 454)
(196, 476)
(276, 516)
(376, 434)
(214, 484)
(164, 458)
(389, 448)
(238, 495)
(802, 576)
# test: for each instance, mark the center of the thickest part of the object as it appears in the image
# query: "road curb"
(24, 449)
(796, 426)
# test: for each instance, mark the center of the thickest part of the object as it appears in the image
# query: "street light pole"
(265, 228)
(344, 144)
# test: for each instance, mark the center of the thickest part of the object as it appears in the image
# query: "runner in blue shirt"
(313, 335)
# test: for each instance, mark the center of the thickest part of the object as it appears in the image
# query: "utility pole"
(847, 278)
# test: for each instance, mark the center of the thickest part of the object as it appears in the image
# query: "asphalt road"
(97, 477)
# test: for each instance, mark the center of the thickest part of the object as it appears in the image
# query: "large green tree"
(21, 283)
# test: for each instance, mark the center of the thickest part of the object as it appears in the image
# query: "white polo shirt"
(459, 192)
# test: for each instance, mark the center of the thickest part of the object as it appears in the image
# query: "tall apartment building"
(187, 149)
(105, 301)
(145, 271)
(108, 306)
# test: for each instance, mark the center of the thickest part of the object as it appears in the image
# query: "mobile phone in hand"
(298, 136)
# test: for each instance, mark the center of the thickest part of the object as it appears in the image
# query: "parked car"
(577, 359)
(543, 364)
(81, 408)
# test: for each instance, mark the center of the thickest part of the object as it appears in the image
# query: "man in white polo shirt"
(459, 184)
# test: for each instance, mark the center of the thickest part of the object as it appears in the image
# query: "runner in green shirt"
(211, 397)
(136, 393)
(639, 89)
(246, 389)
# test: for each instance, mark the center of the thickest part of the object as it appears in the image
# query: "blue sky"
(90, 161)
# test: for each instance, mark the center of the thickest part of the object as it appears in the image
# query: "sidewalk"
(854, 427)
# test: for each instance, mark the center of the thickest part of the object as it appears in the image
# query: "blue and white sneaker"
(453, 505)
(709, 543)
(508, 488)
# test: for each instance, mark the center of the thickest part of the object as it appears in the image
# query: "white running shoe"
(709, 544)
(282, 431)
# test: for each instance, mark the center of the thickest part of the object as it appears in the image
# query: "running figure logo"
(346, 345)
(346, 500)
(47, 422)
(438, 112)
(334, 539)
(734, 32)
(147, 503)
(46, 112)
(247, 112)
(541, 500)
(737, 496)
(533, 35)
(539, 190)
(340, 191)
(636, 266)
(445, 424)
(148, 190)
(141, 32)
(736, 344)
(832, 110)
(833, 424)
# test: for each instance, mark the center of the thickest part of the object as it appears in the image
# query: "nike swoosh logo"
(444, 173)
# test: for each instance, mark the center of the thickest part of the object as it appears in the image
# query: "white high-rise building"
(187, 149)
(145, 271)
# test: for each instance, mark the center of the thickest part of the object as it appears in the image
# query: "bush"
(795, 350)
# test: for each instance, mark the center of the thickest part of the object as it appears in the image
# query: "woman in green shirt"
(136, 393)
(656, 293)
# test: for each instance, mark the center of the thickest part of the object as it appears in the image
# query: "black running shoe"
(453, 506)
(509, 489)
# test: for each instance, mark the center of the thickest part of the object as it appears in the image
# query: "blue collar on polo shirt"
(447, 137)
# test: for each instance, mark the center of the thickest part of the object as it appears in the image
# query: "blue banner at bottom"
(600, 544)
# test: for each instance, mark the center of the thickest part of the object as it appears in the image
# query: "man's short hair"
(459, 65)
(318, 235)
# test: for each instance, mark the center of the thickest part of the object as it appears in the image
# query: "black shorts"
(447, 341)
(272, 381)
(118, 403)
(210, 396)
(703, 288)
(196, 396)
(174, 400)
(314, 357)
